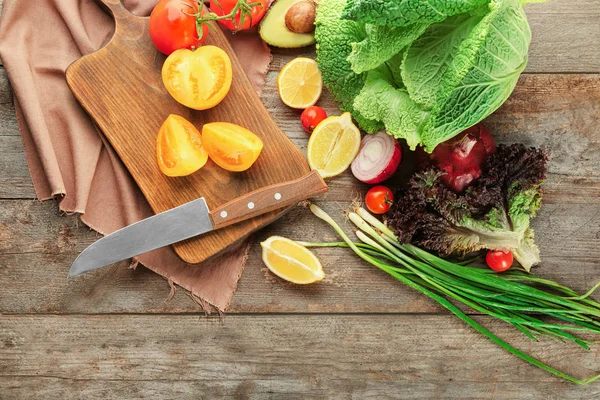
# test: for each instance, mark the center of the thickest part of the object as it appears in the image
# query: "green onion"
(509, 297)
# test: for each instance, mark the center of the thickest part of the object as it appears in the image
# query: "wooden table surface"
(357, 334)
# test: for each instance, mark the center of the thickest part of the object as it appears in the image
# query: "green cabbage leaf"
(425, 70)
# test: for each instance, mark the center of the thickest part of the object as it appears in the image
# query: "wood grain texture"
(553, 110)
(283, 341)
(38, 245)
(277, 357)
(120, 86)
(545, 109)
(566, 36)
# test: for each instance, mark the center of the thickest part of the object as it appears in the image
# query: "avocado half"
(273, 30)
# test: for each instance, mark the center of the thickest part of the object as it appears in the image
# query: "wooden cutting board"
(120, 87)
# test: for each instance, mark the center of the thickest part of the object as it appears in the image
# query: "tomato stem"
(242, 6)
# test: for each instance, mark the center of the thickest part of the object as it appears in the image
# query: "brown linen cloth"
(69, 158)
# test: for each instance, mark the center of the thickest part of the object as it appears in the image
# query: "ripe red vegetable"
(461, 157)
(172, 26)
(499, 260)
(311, 117)
(378, 158)
(379, 199)
(248, 13)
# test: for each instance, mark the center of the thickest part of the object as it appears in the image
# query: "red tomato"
(379, 199)
(173, 26)
(311, 117)
(249, 12)
(499, 260)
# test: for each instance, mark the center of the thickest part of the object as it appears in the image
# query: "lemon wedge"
(291, 261)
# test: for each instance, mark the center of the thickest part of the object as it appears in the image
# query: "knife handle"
(267, 199)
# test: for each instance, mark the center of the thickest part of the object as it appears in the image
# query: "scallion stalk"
(508, 297)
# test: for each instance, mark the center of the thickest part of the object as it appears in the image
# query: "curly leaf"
(435, 63)
(381, 44)
(496, 69)
(381, 101)
(494, 213)
(333, 48)
(407, 12)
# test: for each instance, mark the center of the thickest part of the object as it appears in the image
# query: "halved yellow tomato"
(198, 79)
(231, 146)
(179, 148)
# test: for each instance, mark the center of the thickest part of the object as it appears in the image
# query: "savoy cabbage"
(425, 70)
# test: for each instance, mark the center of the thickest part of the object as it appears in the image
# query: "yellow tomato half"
(198, 79)
(179, 148)
(231, 146)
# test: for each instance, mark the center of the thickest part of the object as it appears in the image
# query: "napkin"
(68, 157)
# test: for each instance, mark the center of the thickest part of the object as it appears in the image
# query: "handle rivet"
(251, 205)
(277, 196)
(223, 214)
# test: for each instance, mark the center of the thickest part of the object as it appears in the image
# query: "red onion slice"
(378, 158)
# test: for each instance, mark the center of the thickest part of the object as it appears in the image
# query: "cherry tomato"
(198, 79)
(179, 148)
(246, 16)
(173, 26)
(231, 146)
(499, 260)
(311, 117)
(379, 199)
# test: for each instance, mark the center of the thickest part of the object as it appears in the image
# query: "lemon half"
(333, 145)
(299, 83)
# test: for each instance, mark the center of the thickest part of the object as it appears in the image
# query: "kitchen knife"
(192, 219)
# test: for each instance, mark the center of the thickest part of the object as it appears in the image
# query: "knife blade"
(192, 219)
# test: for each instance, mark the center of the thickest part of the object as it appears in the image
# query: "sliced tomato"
(231, 146)
(179, 148)
(198, 79)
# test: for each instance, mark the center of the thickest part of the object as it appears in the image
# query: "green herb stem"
(508, 297)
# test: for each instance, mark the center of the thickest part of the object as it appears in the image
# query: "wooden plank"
(555, 111)
(37, 247)
(15, 182)
(313, 356)
(575, 181)
(8, 120)
(566, 36)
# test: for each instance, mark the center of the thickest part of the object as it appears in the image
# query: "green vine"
(202, 17)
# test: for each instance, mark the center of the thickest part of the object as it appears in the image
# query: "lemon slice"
(291, 261)
(299, 83)
(333, 145)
